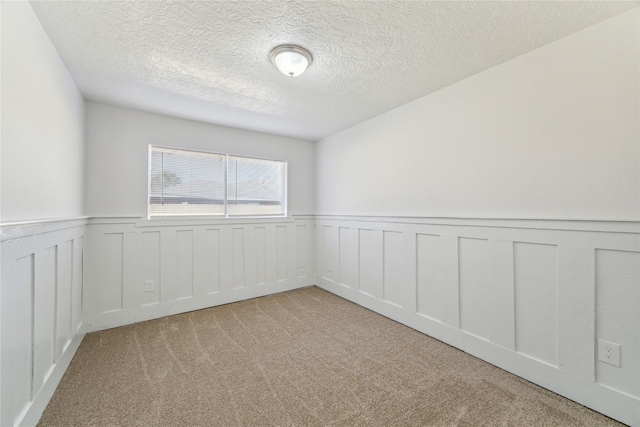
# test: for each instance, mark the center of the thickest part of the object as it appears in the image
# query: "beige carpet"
(301, 358)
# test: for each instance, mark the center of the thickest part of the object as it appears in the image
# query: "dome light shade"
(290, 59)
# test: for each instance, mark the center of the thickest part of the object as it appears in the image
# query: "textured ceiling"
(209, 61)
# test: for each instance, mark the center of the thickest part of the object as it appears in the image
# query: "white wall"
(42, 151)
(550, 134)
(116, 161)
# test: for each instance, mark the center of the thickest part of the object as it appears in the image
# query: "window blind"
(255, 186)
(186, 183)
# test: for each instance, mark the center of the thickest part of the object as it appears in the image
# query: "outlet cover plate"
(148, 286)
(609, 352)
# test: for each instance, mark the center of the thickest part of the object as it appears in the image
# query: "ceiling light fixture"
(290, 59)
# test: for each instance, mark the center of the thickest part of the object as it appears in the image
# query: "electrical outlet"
(609, 352)
(330, 267)
(148, 286)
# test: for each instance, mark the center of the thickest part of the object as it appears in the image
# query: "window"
(195, 183)
(255, 186)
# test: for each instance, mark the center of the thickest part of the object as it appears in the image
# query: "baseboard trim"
(34, 411)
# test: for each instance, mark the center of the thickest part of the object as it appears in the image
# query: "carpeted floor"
(304, 357)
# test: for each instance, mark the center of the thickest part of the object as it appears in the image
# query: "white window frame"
(226, 215)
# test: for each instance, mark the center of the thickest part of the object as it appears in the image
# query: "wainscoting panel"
(44, 311)
(370, 263)
(282, 257)
(473, 270)
(394, 287)
(349, 253)
(192, 264)
(17, 324)
(530, 296)
(618, 316)
(184, 240)
(150, 265)
(536, 301)
(330, 253)
(64, 297)
(261, 254)
(41, 312)
(238, 257)
(428, 276)
(304, 259)
(112, 251)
